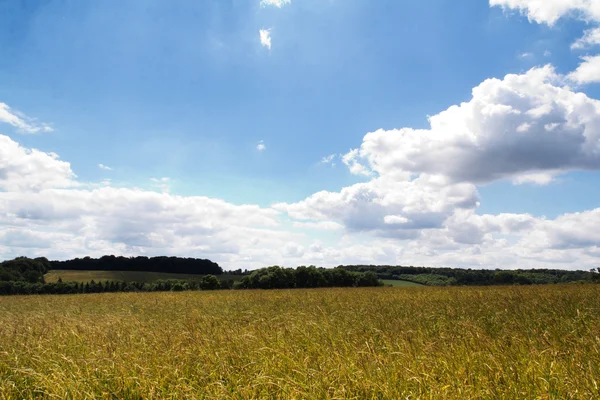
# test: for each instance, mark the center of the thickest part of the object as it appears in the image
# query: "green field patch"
(399, 283)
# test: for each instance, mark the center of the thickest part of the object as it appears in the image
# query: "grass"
(537, 342)
(399, 283)
(127, 276)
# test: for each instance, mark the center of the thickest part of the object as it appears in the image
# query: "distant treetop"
(173, 265)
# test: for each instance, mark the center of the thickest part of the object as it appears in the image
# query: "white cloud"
(549, 11)
(527, 128)
(30, 169)
(541, 178)
(500, 133)
(525, 55)
(320, 225)
(470, 228)
(418, 206)
(350, 159)
(590, 38)
(45, 211)
(378, 206)
(109, 220)
(261, 146)
(534, 235)
(275, 3)
(265, 38)
(574, 230)
(395, 220)
(23, 123)
(67, 222)
(547, 53)
(104, 167)
(588, 71)
(293, 250)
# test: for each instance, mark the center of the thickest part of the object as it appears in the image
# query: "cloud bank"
(416, 205)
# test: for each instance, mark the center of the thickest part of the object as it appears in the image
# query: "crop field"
(126, 276)
(512, 342)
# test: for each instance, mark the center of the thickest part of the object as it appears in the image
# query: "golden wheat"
(384, 343)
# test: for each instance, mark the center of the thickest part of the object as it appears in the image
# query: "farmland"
(492, 342)
(125, 276)
(399, 283)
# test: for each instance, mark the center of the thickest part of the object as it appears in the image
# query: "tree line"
(207, 282)
(26, 276)
(307, 277)
(473, 277)
(172, 265)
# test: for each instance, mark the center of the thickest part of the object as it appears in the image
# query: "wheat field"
(378, 343)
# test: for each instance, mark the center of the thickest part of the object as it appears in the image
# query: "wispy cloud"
(104, 167)
(275, 3)
(261, 146)
(329, 160)
(162, 184)
(265, 38)
(22, 122)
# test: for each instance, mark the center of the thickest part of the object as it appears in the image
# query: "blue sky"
(186, 91)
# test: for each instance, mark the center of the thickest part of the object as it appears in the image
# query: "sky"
(302, 132)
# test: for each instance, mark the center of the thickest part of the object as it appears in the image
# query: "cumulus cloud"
(428, 220)
(590, 38)
(274, 3)
(138, 221)
(418, 207)
(31, 170)
(23, 123)
(550, 11)
(568, 231)
(104, 167)
(422, 191)
(467, 227)
(588, 71)
(524, 127)
(261, 146)
(265, 38)
(570, 239)
(380, 205)
(45, 211)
